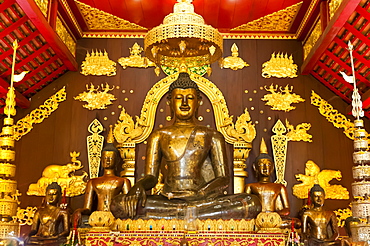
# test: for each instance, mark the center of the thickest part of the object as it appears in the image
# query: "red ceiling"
(221, 14)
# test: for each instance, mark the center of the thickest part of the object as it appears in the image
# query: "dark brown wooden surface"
(66, 129)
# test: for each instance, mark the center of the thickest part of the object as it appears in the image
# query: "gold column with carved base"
(241, 153)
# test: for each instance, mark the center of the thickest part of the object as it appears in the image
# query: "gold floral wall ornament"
(96, 99)
(135, 59)
(234, 62)
(333, 116)
(278, 21)
(342, 215)
(279, 143)
(94, 147)
(299, 133)
(25, 125)
(281, 100)
(313, 175)
(25, 216)
(98, 63)
(280, 66)
(64, 176)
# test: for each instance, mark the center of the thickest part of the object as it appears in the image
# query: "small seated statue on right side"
(319, 226)
(273, 196)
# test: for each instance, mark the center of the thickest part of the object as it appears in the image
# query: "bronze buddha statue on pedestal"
(196, 169)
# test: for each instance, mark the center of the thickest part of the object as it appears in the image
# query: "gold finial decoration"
(333, 116)
(64, 176)
(98, 63)
(299, 133)
(280, 66)
(278, 21)
(100, 20)
(263, 147)
(183, 37)
(135, 59)
(313, 175)
(281, 100)
(110, 137)
(96, 99)
(94, 147)
(279, 147)
(25, 125)
(234, 62)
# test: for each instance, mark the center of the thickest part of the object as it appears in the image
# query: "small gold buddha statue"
(196, 169)
(319, 226)
(51, 222)
(104, 188)
(273, 196)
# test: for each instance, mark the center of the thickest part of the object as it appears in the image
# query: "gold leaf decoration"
(96, 99)
(278, 21)
(25, 125)
(234, 62)
(299, 133)
(281, 100)
(279, 66)
(100, 20)
(98, 63)
(135, 59)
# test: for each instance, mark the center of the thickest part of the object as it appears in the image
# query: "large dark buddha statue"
(196, 171)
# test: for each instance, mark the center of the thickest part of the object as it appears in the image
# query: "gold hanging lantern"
(183, 38)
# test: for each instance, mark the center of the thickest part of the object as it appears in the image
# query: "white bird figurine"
(19, 77)
(349, 79)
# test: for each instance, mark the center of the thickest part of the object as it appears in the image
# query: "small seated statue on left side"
(51, 222)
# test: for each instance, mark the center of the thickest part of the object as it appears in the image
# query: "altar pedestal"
(169, 238)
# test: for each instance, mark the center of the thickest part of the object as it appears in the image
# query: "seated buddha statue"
(319, 226)
(106, 187)
(51, 222)
(273, 196)
(196, 171)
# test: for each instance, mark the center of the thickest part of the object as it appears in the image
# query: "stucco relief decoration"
(282, 99)
(313, 175)
(64, 176)
(100, 20)
(298, 133)
(234, 62)
(278, 21)
(94, 147)
(135, 59)
(333, 116)
(279, 66)
(98, 63)
(96, 99)
(25, 125)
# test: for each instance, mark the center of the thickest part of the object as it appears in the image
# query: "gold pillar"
(241, 152)
(127, 151)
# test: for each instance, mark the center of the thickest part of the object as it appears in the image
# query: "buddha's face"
(184, 103)
(52, 196)
(265, 167)
(108, 159)
(318, 198)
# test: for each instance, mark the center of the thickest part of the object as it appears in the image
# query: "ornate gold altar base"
(168, 238)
